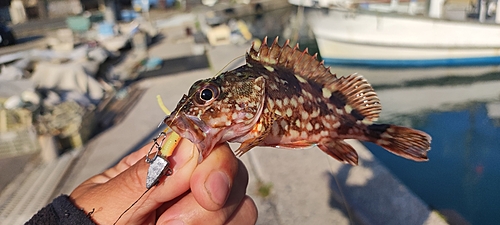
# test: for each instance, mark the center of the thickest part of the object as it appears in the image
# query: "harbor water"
(462, 177)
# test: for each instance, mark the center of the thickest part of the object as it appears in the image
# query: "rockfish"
(284, 97)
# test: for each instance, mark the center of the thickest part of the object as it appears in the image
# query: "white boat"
(381, 35)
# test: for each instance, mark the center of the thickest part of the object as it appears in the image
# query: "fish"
(286, 98)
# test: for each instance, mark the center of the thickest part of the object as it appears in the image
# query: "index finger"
(171, 140)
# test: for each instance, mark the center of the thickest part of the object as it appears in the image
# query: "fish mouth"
(189, 127)
(193, 129)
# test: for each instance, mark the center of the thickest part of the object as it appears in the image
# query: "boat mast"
(394, 5)
(436, 8)
(482, 10)
(497, 12)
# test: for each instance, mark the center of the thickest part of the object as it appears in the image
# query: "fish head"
(218, 109)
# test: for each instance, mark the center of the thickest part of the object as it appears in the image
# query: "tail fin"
(405, 142)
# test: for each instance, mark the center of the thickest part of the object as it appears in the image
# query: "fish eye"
(207, 94)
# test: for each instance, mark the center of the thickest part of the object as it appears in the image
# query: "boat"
(404, 34)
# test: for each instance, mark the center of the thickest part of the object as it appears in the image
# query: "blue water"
(463, 173)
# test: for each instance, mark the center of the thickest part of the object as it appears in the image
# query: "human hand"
(212, 192)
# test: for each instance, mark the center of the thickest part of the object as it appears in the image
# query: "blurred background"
(79, 79)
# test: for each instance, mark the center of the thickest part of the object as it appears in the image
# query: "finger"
(212, 180)
(123, 165)
(114, 196)
(134, 157)
(246, 213)
(189, 211)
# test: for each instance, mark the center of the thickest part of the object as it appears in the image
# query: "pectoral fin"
(260, 131)
(249, 144)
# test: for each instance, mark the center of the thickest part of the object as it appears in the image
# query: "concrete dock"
(288, 186)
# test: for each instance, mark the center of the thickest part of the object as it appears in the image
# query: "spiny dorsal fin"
(359, 95)
(300, 62)
(357, 92)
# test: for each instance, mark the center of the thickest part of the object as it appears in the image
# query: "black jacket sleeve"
(60, 211)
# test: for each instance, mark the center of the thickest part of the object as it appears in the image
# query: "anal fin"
(295, 145)
(340, 150)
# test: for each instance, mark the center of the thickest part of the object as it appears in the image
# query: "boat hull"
(384, 40)
(349, 54)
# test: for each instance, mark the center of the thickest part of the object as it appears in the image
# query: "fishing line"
(170, 151)
(126, 210)
(349, 214)
(172, 138)
(227, 64)
(162, 106)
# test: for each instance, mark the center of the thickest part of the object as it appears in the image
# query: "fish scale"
(284, 97)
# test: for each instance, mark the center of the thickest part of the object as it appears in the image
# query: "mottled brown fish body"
(284, 97)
